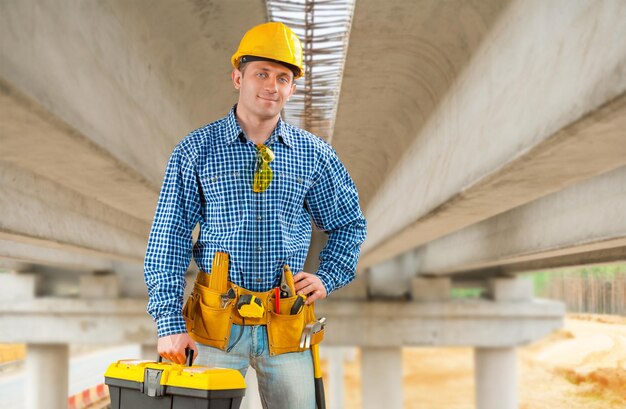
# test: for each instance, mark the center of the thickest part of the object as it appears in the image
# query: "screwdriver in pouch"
(298, 304)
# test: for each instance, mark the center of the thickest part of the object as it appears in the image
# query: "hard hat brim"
(250, 58)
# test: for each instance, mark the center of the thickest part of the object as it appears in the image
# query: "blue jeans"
(285, 381)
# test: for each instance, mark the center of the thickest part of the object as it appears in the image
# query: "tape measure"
(250, 306)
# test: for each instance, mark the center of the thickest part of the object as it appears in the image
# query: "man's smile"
(267, 99)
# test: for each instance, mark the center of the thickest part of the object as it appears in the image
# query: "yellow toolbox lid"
(192, 377)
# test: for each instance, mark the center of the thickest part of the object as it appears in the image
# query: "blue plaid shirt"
(209, 181)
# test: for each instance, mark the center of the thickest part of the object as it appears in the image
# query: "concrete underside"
(478, 115)
(478, 108)
(584, 220)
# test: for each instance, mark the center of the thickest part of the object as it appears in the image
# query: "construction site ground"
(582, 366)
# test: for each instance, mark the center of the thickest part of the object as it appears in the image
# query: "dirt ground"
(582, 366)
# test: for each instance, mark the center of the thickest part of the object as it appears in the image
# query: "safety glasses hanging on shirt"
(264, 174)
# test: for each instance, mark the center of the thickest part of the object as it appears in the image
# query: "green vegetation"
(542, 279)
(467, 292)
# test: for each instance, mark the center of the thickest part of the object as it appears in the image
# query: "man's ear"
(236, 76)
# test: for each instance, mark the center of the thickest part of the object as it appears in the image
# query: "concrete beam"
(544, 90)
(586, 218)
(23, 253)
(371, 324)
(55, 320)
(44, 213)
(33, 138)
(475, 322)
(148, 74)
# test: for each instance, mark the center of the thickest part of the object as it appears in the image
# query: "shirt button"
(258, 280)
(259, 248)
(259, 217)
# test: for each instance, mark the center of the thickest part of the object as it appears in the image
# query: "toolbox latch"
(152, 383)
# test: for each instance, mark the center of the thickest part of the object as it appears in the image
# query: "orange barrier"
(88, 397)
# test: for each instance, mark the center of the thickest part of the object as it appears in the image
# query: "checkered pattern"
(209, 181)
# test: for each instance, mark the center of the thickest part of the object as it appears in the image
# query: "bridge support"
(496, 378)
(382, 377)
(47, 368)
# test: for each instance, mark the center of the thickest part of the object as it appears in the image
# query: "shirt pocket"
(293, 189)
(224, 202)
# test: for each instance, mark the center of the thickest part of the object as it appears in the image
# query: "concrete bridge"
(485, 138)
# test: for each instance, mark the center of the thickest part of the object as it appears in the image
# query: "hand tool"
(320, 396)
(287, 285)
(218, 278)
(298, 304)
(226, 297)
(250, 306)
(310, 329)
(277, 300)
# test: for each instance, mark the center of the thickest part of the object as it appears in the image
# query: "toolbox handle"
(188, 354)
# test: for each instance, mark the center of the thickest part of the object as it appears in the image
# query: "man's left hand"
(309, 285)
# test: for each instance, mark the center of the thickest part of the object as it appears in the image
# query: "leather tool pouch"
(285, 330)
(208, 323)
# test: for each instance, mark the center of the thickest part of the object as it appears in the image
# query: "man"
(254, 183)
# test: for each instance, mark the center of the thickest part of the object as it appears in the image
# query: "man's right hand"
(172, 347)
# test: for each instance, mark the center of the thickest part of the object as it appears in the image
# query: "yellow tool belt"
(209, 320)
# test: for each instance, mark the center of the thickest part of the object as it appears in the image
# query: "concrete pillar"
(381, 372)
(18, 286)
(509, 289)
(334, 395)
(495, 371)
(431, 289)
(47, 370)
(252, 400)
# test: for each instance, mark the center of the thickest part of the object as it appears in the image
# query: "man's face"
(264, 88)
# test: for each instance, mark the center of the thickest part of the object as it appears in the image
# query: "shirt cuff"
(171, 324)
(327, 280)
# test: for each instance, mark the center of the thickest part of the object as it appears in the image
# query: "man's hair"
(242, 67)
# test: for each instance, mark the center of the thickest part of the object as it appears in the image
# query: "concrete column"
(47, 370)
(334, 395)
(431, 289)
(252, 400)
(18, 286)
(495, 371)
(381, 372)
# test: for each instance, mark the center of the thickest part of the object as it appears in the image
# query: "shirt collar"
(233, 130)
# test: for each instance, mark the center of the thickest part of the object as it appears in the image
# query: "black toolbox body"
(135, 384)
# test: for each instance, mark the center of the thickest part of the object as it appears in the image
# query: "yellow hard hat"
(271, 41)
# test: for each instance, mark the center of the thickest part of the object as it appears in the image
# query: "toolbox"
(138, 384)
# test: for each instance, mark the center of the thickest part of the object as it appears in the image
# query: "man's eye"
(284, 80)
(261, 75)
